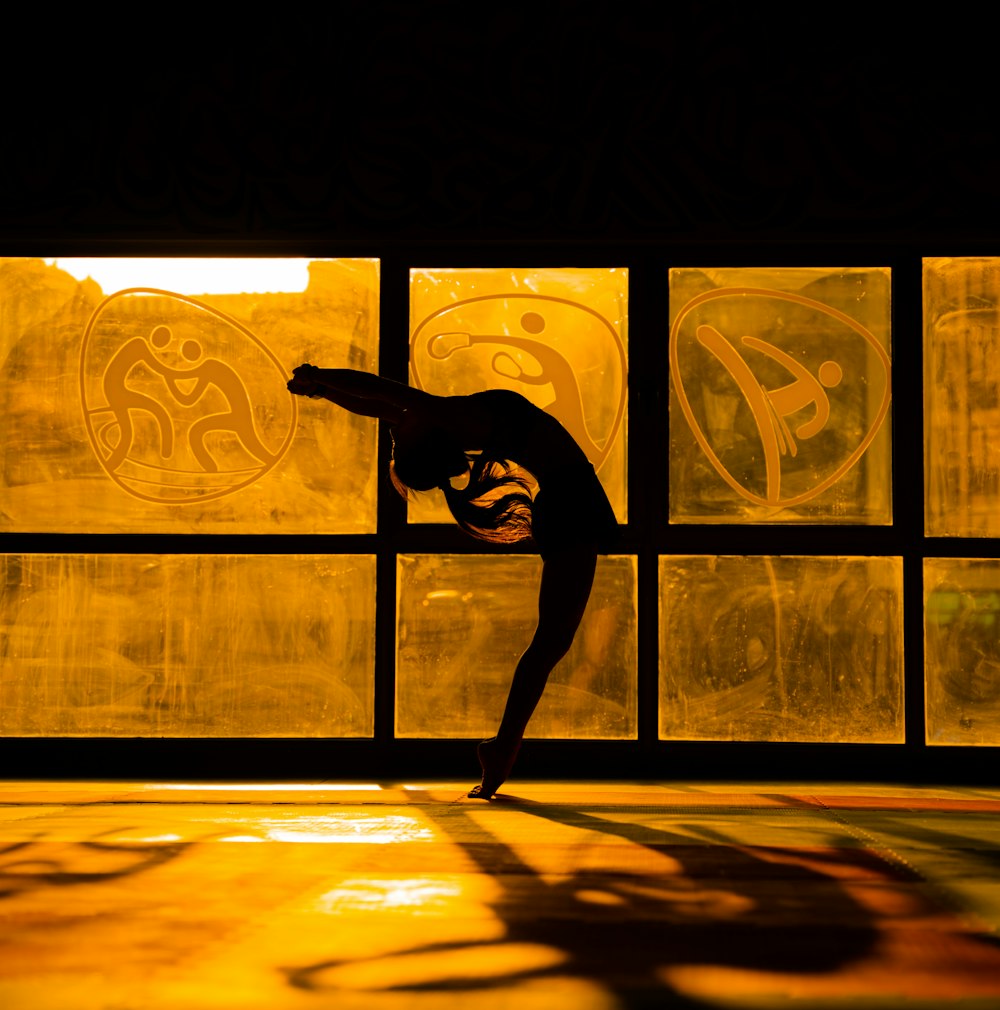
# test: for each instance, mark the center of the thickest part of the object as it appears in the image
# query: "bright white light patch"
(273, 787)
(191, 276)
(330, 829)
(415, 894)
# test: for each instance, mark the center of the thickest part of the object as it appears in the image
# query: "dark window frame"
(647, 535)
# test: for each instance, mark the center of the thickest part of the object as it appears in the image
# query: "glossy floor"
(577, 896)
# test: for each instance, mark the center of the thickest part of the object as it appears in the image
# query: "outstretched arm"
(359, 392)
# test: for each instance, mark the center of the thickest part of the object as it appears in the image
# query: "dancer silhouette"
(488, 440)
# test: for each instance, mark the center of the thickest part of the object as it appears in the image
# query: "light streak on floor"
(583, 896)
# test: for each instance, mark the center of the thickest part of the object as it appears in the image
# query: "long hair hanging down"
(496, 503)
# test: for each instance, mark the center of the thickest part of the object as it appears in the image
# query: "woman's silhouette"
(487, 441)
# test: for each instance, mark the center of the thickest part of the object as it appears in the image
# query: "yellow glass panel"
(961, 397)
(178, 645)
(962, 651)
(803, 649)
(149, 396)
(779, 396)
(558, 337)
(464, 620)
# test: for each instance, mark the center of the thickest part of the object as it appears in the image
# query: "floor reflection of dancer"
(237, 419)
(485, 437)
(122, 399)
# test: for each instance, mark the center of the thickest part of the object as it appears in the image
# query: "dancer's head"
(492, 504)
(425, 457)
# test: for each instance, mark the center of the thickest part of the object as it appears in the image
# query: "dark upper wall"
(413, 121)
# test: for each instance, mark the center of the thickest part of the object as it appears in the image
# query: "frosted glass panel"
(149, 396)
(781, 649)
(558, 337)
(779, 396)
(962, 397)
(176, 645)
(463, 622)
(962, 650)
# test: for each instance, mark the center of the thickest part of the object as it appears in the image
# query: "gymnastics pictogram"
(182, 402)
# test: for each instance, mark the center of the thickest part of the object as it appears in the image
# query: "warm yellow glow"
(961, 397)
(187, 645)
(779, 395)
(781, 649)
(161, 406)
(962, 651)
(218, 276)
(558, 337)
(147, 839)
(414, 895)
(456, 651)
(257, 787)
(590, 896)
(333, 829)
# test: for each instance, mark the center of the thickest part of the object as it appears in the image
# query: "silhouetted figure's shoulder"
(503, 399)
(503, 408)
(514, 428)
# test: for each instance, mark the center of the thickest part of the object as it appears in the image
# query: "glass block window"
(463, 622)
(962, 397)
(779, 396)
(962, 650)
(558, 337)
(803, 649)
(148, 396)
(124, 645)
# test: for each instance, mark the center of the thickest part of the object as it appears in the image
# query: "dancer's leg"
(567, 579)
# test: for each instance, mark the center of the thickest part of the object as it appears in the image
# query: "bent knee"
(552, 646)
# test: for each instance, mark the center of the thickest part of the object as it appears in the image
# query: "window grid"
(648, 536)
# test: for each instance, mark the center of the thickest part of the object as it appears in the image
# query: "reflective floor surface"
(583, 896)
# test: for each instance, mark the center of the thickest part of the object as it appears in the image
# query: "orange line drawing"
(184, 386)
(554, 368)
(770, 407)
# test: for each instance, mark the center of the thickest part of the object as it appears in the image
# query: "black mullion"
(647, 476)
(908, 485)
(393, 363)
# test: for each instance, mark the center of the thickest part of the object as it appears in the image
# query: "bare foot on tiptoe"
(496, 763)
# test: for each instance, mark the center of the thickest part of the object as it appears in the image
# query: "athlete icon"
(567, 407)
(770, 407)
(122, 399)
(237, 419)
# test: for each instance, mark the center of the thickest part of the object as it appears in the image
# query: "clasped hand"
(304, 381)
